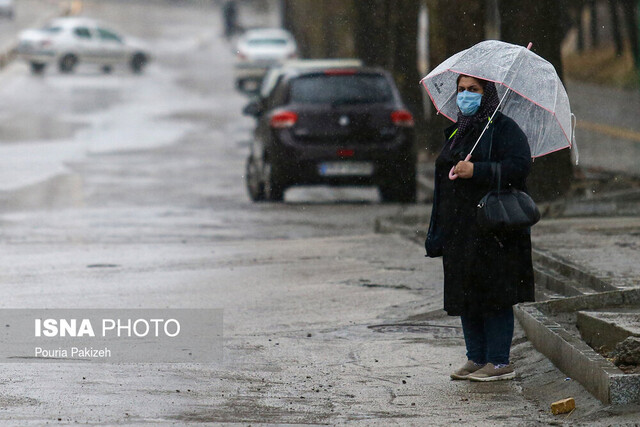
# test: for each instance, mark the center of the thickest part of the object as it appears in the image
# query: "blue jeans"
(488, 338)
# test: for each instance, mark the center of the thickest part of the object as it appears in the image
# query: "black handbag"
(506, 209)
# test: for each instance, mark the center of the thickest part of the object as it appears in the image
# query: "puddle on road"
(33, 127)
(436, 330)
(103, 266)
(378, 285)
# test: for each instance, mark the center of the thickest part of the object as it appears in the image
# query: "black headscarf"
(488, 105)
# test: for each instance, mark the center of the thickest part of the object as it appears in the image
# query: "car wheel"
(399, 189)
(68, 63)
(138, 62)
(107, 69)
(255, 186)
(38, 68)
(273, 188)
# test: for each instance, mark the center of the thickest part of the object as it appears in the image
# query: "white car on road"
(258, 50)
(70, 41)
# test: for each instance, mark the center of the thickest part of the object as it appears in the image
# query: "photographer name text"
(73, 353)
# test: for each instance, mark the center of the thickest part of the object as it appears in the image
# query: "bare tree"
(543, 23)
(615, 26)
(322, 29)
(454, 25)
(593, 13)
(630, 8)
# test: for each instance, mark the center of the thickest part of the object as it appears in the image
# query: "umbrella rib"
(523, 50)
(490, 121)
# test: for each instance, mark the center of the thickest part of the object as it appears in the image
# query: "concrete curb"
(617, 203)
(572, 355)
(603, 329)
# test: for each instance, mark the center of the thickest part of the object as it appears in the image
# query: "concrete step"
(555, 282)
(577, 277)
(544, 294)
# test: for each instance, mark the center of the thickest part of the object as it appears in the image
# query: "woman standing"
(485, 273)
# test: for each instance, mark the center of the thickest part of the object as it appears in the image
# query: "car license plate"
(346, 169)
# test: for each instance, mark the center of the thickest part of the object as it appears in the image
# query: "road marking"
(610, 130)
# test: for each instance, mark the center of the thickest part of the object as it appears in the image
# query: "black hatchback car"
(332, 126)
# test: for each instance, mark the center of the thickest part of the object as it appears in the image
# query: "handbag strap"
(496, 173)
(495, 166)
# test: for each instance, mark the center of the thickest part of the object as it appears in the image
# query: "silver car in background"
(257, 51)
(67, 42)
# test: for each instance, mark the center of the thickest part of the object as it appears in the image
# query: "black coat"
(483, 271)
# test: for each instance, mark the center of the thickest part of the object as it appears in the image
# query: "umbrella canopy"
(537, 101)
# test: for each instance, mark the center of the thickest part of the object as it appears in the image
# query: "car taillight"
(345, 152)
(242, 56)
(402, 118)
(45, 43)
(283, 120)
(336, 72)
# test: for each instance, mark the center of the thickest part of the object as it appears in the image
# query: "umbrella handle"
(453, 175)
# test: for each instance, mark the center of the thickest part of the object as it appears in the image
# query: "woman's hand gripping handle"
(452, 173)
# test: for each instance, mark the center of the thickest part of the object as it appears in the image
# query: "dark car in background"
(332, 126)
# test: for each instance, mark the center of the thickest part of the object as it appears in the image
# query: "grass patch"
(603, 67)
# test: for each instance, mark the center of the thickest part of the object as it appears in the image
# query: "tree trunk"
(386, 35)
(580, 26)
(405, 55)
(330, 32)
(541, 23)
(630, 8)
(593, 13)
(615, 26)
(371, 31)
(454, 25)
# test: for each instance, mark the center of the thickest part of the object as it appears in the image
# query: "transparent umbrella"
(529, 88)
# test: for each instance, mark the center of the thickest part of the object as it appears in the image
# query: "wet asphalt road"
(27, 12)
(143, 176)
(608, 130)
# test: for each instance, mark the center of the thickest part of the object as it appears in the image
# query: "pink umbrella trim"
(552, 151)
(423, 81)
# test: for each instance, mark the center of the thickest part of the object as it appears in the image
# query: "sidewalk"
(591, 246)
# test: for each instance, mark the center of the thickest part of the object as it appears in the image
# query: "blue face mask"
(468, 102)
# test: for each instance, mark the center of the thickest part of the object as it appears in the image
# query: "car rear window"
(341, 89)
(267, 42)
